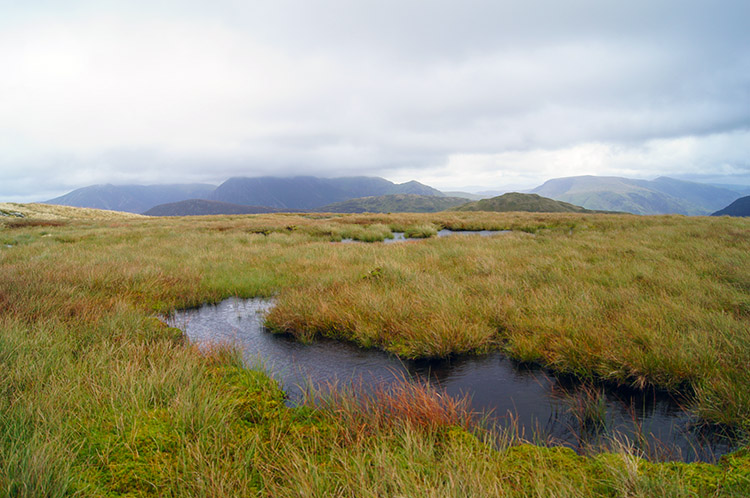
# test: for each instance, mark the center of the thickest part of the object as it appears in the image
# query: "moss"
(131, 457)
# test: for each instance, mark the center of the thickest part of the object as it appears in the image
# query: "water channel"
(400, 237)
(538, 402)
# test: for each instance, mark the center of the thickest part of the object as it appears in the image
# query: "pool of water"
(542, 406)
(399, 236)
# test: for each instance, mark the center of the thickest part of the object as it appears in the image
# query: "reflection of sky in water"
(536, 401)
(399, 236)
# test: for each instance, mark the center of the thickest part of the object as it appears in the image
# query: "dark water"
(542, 406)
(399, 236)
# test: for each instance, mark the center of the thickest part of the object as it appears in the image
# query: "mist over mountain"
(301, 193)
(741, 189)
(660, 196)
(740, 207)
(131, 198)
(308, 192)
(275, 193)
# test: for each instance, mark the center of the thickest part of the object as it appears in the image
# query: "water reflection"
(400, 237)
(553, 409)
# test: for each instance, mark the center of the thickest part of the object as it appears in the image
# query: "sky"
(469, 94)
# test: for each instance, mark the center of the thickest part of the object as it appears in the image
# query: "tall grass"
(97, 398)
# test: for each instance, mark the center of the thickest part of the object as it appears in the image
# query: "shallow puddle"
(399, 236)
(544, 407)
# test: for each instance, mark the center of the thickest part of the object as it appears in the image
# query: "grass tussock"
(97, 398)
(424, 231)
(366, 410)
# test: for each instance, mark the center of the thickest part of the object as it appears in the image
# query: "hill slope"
(740, 207)
(514, 201)
(131, 198)
(308, 192)
(201, 207)
(661, 196)
(393, 203)
(38, 211)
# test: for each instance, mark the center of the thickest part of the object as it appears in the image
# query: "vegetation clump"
(423, 231)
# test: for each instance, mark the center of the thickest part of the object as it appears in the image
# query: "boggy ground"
(97, 398)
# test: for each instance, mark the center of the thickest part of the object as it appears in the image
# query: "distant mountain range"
(661, 196)
(394, 203)
(740, 207)
(131, 198)
(515, 201)
(202, 207)
(289, 194)
(469, 196)
(306, 193)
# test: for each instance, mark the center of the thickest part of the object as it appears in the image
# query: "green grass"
(394, 203)
(514, 201)
(424, 231)
(98, 398)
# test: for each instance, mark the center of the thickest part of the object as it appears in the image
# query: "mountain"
(465, 195)
(741, 189)
(308, 192)
(661, 196)
(201, 207)
(131, 198)
(740, 207)
(514, 201)
(290, 194)
(393, 203)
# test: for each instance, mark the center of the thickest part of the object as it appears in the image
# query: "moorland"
(98, 397)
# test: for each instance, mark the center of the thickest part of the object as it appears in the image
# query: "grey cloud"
(207, 91)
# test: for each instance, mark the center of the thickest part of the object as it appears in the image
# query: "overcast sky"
(450, 93)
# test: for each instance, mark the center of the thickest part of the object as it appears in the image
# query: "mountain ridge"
(130, 198)
(740, 207)
(310, 192)
(393, 203)
(286, 193)
(203, 207)
(663, 195)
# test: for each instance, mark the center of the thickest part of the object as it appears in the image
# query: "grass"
(424, 231)
(97, 398)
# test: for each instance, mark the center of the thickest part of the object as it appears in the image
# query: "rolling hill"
(514, 201)
(740, 207)
(202, 207)
(394, 203)
(661, 196)
(39, 211)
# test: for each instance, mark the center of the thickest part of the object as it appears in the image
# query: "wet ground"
(542, 406)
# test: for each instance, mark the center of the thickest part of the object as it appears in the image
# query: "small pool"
(538, 402)
(399, 236)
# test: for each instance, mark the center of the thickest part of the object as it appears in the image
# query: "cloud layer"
(449, 93)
